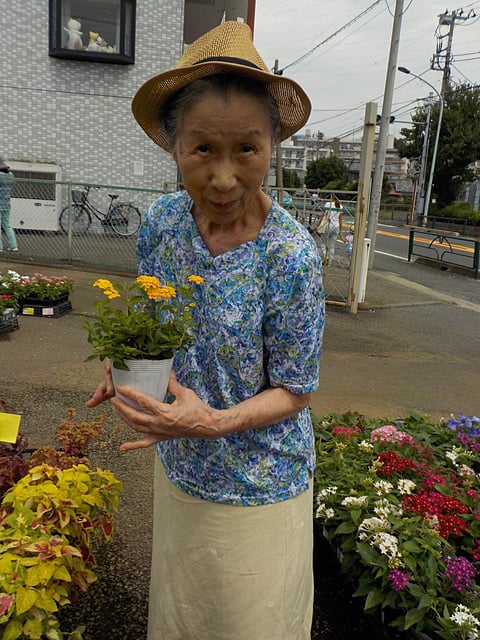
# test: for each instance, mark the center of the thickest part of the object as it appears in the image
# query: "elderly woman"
(232, 551)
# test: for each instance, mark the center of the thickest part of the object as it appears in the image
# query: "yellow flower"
(148, 282)
(111, 293)
(166, 293)
(102, 283)
(196, 279)
(108, 288)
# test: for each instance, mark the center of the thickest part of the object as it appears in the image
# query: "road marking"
(429, 241)
(444, 297)
(391, 255)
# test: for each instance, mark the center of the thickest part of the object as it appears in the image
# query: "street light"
(435, 146)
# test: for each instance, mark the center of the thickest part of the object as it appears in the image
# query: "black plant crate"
(47, 311)
(8, 321)
(29, 301)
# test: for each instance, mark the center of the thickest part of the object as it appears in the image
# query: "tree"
(330, 173)
(459, 142)
(291, 179)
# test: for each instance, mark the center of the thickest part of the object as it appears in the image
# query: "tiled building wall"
(77, 114)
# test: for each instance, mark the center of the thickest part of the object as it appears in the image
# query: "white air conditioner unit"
(36, 203)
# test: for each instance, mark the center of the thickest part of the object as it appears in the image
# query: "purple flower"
(398, 579)
(461, 572)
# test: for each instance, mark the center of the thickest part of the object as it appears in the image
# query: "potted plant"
(52, 507)
(401, 505)
(39, 294)
(8, 312)
(139, 326)
(44, 290)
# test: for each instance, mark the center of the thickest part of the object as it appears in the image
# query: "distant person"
(329, 227)
(6, 181)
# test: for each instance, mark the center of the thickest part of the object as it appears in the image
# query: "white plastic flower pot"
(148, 376)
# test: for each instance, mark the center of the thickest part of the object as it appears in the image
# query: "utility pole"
(442, 58)
(358, 271)
(384, 127)
(420, 199)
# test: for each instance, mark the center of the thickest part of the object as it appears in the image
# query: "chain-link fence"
(308, 207)
(78, 223)
(96, 225)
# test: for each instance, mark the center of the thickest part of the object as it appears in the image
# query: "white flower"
(464, 618)
(372, 525)
(325, 493)
(433, 522)
(366, 446)
(384, 509)
(354, 501)
(382, 486)
(465, 471)
(405, 486)
(452, 455)
(387, 544)
(324, 512)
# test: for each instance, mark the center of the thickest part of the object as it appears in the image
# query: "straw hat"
(227, 48)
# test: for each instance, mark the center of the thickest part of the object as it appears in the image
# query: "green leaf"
(414, 616)
(346, 527)
(13, 630)
(412, 546)
(368, 555)
(25, 599)
(374, 599)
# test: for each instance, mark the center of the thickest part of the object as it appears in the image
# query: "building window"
(93, 30)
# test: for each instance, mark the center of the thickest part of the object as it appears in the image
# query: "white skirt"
(224, 572)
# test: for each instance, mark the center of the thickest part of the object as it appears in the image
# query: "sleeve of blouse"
(146, 242)
(294, 322)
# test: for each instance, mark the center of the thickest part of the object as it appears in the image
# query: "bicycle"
(123, 218)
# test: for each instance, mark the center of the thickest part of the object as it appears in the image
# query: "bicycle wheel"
(80, 220)
(124, 219)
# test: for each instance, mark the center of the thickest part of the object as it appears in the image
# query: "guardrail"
(445, 247)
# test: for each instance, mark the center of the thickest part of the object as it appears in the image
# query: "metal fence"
(307, 206)
(94, 226)
(78, 223)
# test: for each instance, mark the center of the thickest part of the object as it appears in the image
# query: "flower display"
(401, 504)
(39, 285)
(144, 319)
(7, 301)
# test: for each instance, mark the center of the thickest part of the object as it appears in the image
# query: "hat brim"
(150, 100)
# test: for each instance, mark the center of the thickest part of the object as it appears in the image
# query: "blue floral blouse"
(260, 315)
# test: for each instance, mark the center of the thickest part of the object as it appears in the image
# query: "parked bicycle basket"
(79, 196)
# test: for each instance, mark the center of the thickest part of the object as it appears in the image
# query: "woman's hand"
(105, 389)
(186, 417)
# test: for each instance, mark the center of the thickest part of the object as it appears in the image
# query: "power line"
(345, 26)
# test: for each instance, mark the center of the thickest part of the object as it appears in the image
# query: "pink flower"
(399, 579)
(461, 572)
(392, 435)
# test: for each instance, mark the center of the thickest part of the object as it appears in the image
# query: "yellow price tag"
(9, 426)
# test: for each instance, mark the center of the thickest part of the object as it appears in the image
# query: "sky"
(350, 69)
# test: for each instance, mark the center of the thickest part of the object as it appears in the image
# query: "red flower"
(346, 432)
(393, 463)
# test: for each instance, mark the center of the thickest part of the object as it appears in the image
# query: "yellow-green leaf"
(33, 629)
(39, 574)
(13, 630)
(61, 573)
(25, 599)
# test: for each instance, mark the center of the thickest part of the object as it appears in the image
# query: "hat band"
(246, 63)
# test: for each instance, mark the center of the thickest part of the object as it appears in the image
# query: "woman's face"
(223, 152)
